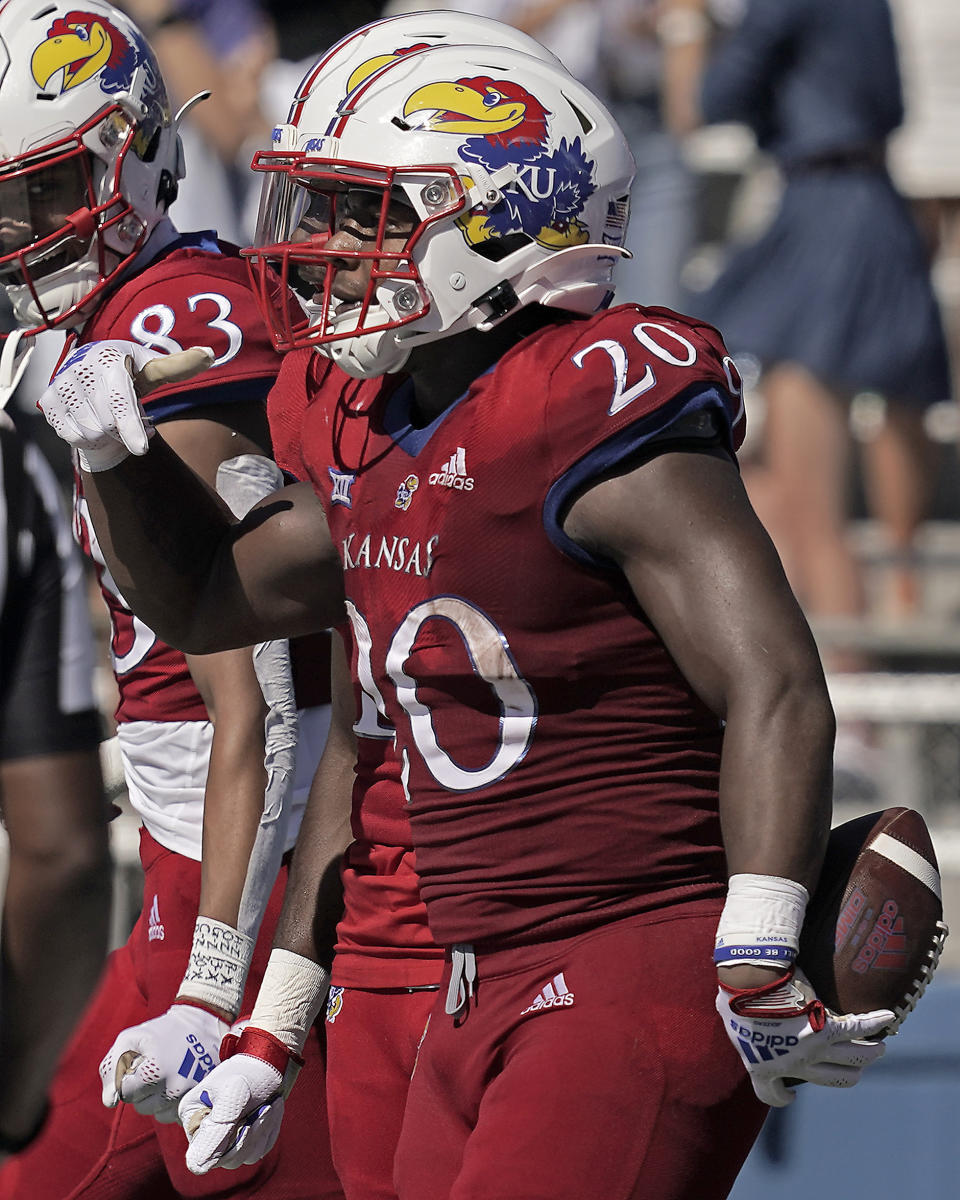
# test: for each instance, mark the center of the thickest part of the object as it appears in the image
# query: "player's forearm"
(776, 773)
(234, 795)
(313, 901)
(161, 531)
(233, 807)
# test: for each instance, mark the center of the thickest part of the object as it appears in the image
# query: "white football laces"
(920, 985)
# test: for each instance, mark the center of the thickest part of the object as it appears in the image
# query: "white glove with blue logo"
(93, 401)
(152, 1065)
(784, 1034)
(233, 1118)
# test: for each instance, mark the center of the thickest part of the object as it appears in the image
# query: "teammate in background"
(86, 245)
(56, 903)
(605, 698)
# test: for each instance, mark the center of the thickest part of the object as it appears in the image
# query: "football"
(874, 932)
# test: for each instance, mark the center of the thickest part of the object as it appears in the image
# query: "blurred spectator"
(222, 46)
(305, 30)
(924, 159)
(835, 297)
(569, 28)
(56, 907)
(662, 202)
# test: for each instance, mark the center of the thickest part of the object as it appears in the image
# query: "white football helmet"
(517, 175)
(89, 154)
(355, 57)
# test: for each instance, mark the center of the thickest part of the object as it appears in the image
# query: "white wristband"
(290, 997)
(761, 921)
(219, 961)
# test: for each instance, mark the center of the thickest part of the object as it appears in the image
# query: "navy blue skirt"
(840, 283)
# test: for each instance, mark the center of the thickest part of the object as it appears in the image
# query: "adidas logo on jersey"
(453, 474)
(154, 924)
(554, 994)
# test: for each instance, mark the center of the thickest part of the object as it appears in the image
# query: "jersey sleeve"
(286, 406)
(199, 304)
(632, 379)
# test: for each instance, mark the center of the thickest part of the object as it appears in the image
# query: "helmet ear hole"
(152, 146)
(498, 248)
(167, 189)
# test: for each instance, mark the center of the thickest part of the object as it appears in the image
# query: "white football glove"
(152, 1065)
(784, 1034)
(233, 1118)
(93, 401)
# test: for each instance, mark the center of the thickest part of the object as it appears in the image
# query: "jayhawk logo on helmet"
(82, 46)
(367, 68)
(507, 126)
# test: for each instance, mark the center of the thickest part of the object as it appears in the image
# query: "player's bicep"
(279, 573)
(702, 568)
(207, 438)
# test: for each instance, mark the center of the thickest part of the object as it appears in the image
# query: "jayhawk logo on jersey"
(405, 492)
(507, 126)
(80, 47)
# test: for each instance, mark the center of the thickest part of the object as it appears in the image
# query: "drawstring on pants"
(463, 977)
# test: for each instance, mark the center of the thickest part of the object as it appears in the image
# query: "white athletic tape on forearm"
(242, 481)
(290, 997)
(271, 661)
(761, 920)
(219, 961)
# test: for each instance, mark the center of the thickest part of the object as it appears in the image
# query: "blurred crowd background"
(860, 487)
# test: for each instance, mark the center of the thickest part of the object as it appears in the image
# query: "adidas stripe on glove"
(784, 1034)
(152, 1065)
(233, 1118)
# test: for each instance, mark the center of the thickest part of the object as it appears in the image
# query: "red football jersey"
(196, 294)
(561, 771)
(383, 939)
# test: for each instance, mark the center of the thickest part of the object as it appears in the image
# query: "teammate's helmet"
(355, 57)
(517, 176)
(89, 154)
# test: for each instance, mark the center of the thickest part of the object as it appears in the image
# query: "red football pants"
(372, 1042)
(590, 1066)
(88, 1152)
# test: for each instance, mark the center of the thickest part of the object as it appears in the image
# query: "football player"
(386, 966)
(611, 720)
(89, 163)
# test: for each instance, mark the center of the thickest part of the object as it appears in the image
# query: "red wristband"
(262, 1045)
